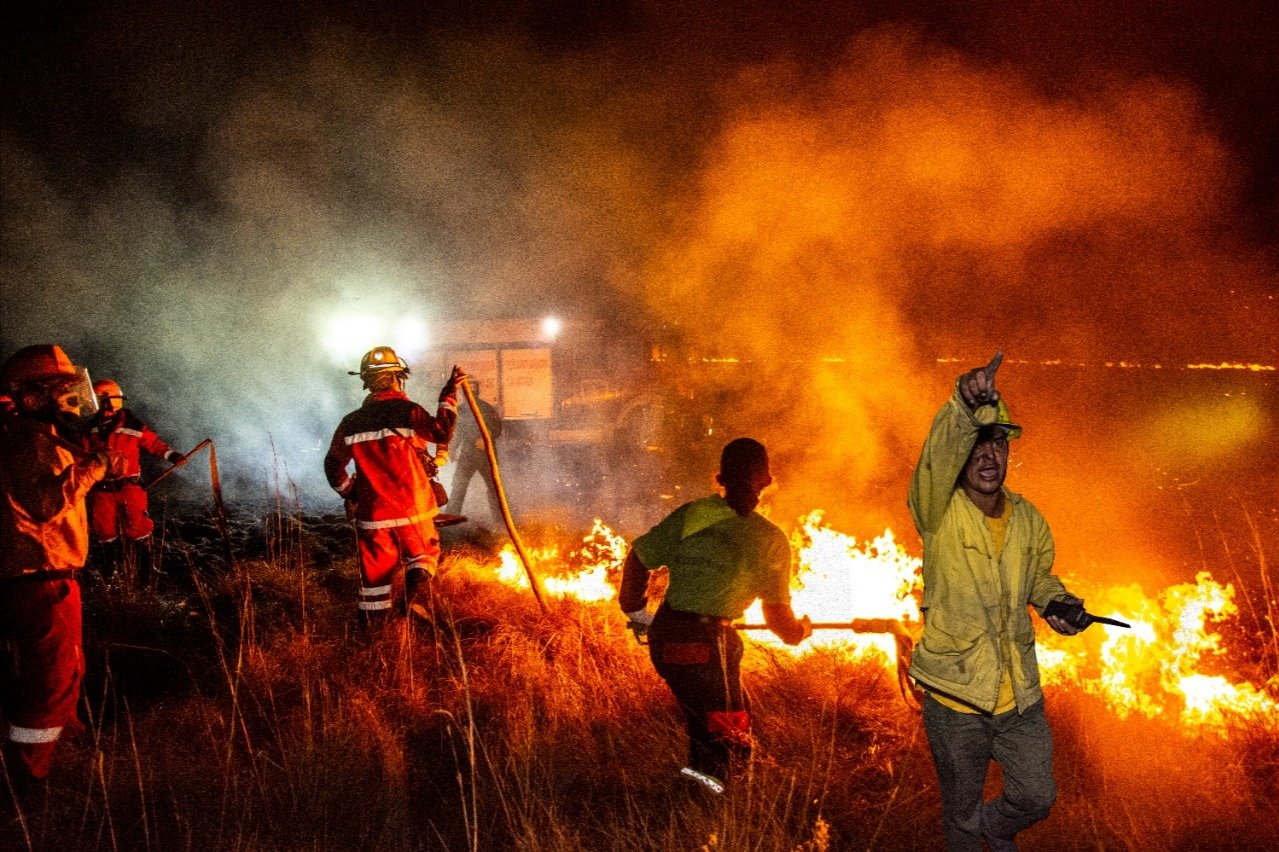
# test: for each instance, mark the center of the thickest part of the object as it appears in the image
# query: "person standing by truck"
(470, 458)
(390, 494)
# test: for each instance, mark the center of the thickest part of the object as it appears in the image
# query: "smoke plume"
(803, 243)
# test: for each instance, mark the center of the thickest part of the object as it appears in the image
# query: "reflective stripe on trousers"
(31, 736)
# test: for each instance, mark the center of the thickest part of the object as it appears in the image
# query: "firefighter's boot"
(110, 559)
(142, 557)
(417, 596)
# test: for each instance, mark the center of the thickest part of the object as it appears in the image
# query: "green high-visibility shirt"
(720, 562)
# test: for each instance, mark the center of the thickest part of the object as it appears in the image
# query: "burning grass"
(245, 711)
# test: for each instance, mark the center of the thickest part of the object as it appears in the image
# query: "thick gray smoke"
(345, 189)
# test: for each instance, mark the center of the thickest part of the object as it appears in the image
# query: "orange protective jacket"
(386, 438)
(126, 435)
(44, 523)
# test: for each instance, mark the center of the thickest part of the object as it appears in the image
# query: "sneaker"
(707, 782)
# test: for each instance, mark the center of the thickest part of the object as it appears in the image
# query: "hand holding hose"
(449, 391)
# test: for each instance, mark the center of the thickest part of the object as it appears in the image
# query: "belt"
(117, 484)
(697, 617)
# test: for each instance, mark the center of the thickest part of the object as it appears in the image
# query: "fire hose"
(491, 453)
(904, 636)
(219, 515)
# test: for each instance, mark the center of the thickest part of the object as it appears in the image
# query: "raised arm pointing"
(977, 387)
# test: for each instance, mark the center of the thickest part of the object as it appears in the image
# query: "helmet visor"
(75, 396)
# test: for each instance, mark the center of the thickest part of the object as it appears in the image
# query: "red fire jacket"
(43, 483)
(123, 433)
(386, 437)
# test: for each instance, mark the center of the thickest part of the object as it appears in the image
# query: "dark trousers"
(701, 663)
(963, 744)
(469, 463)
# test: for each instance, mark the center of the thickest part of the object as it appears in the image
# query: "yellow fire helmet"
(1005, 419)
(379, 359)
(109, 394)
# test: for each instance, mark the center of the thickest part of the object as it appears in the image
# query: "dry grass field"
(243, 709)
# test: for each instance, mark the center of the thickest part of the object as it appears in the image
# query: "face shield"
(74, 398)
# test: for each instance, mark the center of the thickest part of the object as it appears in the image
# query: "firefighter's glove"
(441, 456)
(801, 629)
(173, 456)
(641, 616)
(638, 623)
(449, 391)
(99, 461)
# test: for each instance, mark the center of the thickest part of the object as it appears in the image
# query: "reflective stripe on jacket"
(44, 525)
(386, 438)
(123, 433)
(974, 607)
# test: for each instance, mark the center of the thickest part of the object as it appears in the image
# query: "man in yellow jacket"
(988, 554)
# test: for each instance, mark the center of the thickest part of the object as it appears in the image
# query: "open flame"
(588, 579)
(839, 580)
(1161, 668)
(1155, 669)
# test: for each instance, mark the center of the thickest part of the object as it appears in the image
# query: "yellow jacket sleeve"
(950, 440)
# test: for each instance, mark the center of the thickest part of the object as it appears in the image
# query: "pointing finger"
(994, 365)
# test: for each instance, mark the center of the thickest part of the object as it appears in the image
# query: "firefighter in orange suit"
(44, 539)
(390, 494)
(118, 504)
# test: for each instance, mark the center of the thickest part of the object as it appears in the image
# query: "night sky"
(194, 190)
(138, 86)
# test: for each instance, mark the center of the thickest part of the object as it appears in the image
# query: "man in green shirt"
(988, 554)
(722, 555)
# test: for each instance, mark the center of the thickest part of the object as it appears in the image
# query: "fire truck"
(603, 422)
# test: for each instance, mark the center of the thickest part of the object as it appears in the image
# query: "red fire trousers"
(41, 618)
(381, 551)
(121, 507)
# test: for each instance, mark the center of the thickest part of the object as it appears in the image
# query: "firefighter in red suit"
(118, 504)
(390, 494)
(44, 539)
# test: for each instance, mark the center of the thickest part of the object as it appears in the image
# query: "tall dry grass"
(243, 709)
